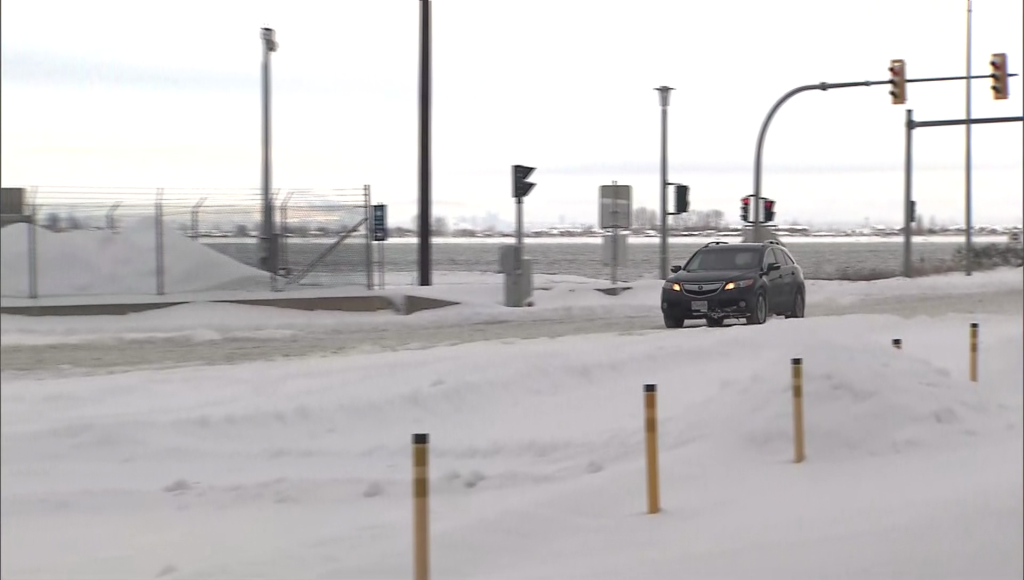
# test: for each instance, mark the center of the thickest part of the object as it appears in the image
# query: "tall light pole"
(424, 130)
(268, 255)
(967, 151)
(663, 96)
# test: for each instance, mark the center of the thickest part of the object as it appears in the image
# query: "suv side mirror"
(676, 269)
(773, 267)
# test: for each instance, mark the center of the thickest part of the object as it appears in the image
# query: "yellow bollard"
(798, 410)
(420, 494)
(651, 439)
(897, 343)
(974, 352)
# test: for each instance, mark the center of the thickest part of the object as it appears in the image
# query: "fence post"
(798, 410)
(194, 234)
(651, 444)
(421, 505)
(974, 352)
(159, 241)
(283, 265)
(33, 252)
(369, 237)
(110, 215)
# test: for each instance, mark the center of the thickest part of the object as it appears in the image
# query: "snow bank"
(103, 262)
(301, 469)
(559, 302)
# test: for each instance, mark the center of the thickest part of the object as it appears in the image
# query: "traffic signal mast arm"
(823, 87)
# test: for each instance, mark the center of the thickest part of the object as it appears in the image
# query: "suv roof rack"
(773, 242)
(714, 243)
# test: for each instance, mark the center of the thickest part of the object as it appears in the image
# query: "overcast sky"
(107, 93)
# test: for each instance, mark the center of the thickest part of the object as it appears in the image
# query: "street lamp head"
(663, 94)
(269, 43)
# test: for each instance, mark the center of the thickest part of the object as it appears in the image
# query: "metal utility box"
(519, 285)
(12, 205)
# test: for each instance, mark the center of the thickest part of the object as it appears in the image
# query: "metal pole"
(424, 227)
(755, 209)
(764, 130)
(519, 237)
(33, 250)
(615, 241)
(369, 237)
(159, 241)
(908, 171)
(663, 93)
(967, 150)
(269, 256)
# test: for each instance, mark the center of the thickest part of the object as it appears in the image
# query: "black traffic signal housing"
(769, 210)
(682, 198)
(520, 187)
(1000, 84)
(745, 208)
(898, 80)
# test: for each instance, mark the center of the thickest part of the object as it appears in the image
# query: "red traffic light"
(745, 201)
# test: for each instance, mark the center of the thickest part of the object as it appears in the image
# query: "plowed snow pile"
(103, 262)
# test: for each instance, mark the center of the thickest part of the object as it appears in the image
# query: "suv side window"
(787, 259)
(770, 258)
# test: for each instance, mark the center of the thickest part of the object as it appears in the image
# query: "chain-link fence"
(122, 241)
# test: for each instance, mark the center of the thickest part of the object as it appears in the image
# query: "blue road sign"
(380, 222)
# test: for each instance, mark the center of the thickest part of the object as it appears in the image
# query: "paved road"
(106, 357)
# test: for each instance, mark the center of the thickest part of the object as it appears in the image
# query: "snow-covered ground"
(301, 469)
(226, 441)
(217, 333)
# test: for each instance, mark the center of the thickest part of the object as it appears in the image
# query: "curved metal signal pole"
(764, 130)
(818, 87)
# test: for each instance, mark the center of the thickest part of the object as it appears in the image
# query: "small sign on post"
(380, 235)
(380, 222)
(616, 206)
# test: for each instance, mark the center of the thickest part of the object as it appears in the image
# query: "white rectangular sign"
(616, 206)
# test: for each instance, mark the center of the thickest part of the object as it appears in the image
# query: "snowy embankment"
(301, 469)
(103, 262)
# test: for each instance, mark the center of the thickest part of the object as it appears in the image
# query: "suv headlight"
(738, 284)
(674, 286)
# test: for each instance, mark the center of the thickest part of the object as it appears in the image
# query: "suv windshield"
(723, 259)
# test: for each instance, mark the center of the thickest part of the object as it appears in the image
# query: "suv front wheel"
(760, 312)
(798, 306)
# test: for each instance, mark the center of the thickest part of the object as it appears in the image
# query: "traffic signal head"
(745, 209)
(1000, 86)
(520, 187)
(682, 198)
(769, 210)
(898, 80)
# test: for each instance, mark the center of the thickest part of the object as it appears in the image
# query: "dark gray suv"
(746, 280)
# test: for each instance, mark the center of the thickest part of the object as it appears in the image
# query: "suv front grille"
(702, 290)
